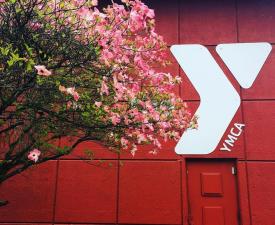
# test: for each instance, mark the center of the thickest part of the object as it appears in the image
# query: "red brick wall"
(151, 189)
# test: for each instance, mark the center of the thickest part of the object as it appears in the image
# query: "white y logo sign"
(219, 100)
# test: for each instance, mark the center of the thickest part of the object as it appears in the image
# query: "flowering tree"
(70, 70)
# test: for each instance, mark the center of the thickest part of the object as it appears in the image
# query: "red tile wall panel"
(208, 22)
(256, 20)
(25, 223)
(86, 192)
(98, 150)
(184, 193)
(82, 224)
(145, 152)
(30, 195)
(259, 132)
(167, 23)
(187, 90)
(243, 194)
(149, 192)
(261, 189)
(152, 188)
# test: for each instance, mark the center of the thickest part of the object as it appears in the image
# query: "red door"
(212, 192)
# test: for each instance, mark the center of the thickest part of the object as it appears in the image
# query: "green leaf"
(5, 51)
(89, 153)
(14, 58)
(30, 65)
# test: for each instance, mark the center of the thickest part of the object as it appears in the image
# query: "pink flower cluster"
(71, 91)
(42, 70)
(34, 155)
(135, 95)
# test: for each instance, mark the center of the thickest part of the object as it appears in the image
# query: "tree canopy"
(68, 69)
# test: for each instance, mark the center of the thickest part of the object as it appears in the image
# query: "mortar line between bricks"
(243, 119)
(20, 222)
(258, 160)
(55, 193)
(183, 157)
(237, 19)
(248, 193)
(66, 223)
(259, 100)
(76, 223)
(179, 33)
(211, 45)
(245, 159)
(181, 195)
(117, 197)
(179, 19)
(243, 100)
(126, 159)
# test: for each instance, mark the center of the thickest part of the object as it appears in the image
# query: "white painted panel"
(244, 60)
(219, 100)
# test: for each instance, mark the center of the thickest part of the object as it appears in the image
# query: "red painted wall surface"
(151, 189)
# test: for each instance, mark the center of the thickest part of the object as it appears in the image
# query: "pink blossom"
(137, 21)
(34, 155)
(131, 94)
(70, 90)
(135, 88)
(34, 26)
(141, 138)
(62, 88)
(69, 104)
(124, 142)
(106, 56)
(41, 70)
(155, 116)
(150, 126)
(98, 104)
(141, 103)
(76, 96)
(78, 2)
(150, 13)
(126, 120)
(157, 143)
(133, 150)
(164, 125)
(153, 152)
(115, 118)
(102, 42)
(85, 13)
(106, 108)
(98, 14)
(94, 2)
(178, 79)
(104, 88)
